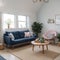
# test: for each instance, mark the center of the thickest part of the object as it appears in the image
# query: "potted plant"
(58, 36)
(8, 22)
(41, 39)
(37, 27)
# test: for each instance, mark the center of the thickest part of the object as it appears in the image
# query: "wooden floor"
(9, 56)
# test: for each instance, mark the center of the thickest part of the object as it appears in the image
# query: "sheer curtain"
(1, 30)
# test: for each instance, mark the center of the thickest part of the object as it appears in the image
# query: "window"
(22, 21)
(11, 21)
(8, 21)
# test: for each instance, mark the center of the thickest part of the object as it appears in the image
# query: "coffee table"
(37, 43)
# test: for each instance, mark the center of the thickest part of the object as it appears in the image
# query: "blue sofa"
(19, 38)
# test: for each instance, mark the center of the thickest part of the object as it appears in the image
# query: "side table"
(1, 46)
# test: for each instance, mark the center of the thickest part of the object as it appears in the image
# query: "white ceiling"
(20, 5)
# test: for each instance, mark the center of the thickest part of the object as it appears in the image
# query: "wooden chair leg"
(47, 47)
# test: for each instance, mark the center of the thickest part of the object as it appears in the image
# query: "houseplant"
(41, 39)
(58, 36)
(8, 22)
(37, 27)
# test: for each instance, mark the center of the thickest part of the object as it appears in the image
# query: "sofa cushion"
(21, 33)
(29, 39)
(15, 33)
(22, 40)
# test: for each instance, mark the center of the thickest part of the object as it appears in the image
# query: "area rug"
(1, 58)
(26, 53)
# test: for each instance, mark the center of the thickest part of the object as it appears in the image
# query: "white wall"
(49, 10)
(18, 7)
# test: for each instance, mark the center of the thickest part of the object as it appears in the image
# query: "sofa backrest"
(17, 34)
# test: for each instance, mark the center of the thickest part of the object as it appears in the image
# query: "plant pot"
(41, 40)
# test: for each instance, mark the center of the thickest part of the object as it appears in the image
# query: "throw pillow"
(27, 34)
(11, 36)
(31, 33)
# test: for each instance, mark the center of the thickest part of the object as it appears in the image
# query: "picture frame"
(57, 19)
(51, 21)
(34, 1)
(46, 1)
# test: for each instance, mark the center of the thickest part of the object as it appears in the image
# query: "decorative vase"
(41, 40)
(8, 26)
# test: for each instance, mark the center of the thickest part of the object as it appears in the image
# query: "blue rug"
(1, 58)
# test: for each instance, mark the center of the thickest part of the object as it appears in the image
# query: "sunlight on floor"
(7, 55)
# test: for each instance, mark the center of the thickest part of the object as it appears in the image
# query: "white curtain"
(1, 30)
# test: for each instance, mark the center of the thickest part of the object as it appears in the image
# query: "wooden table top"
(39, 43)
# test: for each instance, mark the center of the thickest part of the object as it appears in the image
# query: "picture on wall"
(57, 18)
(50, 21)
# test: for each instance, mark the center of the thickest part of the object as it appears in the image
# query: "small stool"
(1, 46)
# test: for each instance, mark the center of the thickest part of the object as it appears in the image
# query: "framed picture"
(51, 21)
(34, 1)
(57, 18)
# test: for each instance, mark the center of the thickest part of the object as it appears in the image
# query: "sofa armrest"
(8, 40)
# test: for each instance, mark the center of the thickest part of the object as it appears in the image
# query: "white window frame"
(16, 22)
(3, 21)
(20, 21)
